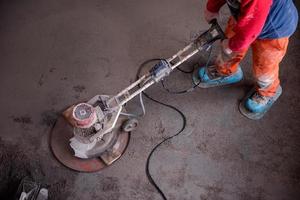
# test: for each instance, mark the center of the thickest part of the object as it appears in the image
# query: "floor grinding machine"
(92, 135)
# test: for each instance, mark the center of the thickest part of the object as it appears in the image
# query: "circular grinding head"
(59, 142)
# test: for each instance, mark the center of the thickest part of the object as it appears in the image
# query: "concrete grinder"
(92, 135)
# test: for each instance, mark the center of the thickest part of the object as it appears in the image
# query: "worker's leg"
(267, 54)
(226, 69)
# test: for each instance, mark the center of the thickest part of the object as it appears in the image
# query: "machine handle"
(214, 33)
(213, 21)
(165, 66)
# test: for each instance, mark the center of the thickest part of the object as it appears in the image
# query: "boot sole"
(256, 116)
(196, 81)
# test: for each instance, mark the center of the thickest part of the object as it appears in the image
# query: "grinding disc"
(62, 132)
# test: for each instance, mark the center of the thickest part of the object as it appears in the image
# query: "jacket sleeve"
(250, 23)
(214, 5)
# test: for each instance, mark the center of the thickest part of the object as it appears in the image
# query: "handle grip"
(213, 34)
(215, 25)
(213, 21)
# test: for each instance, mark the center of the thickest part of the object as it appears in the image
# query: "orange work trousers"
(267, 54)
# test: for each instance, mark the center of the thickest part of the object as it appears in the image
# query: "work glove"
(225, 47)
(210, 15)
(226, 53)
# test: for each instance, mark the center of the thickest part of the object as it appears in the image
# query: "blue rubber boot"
(209, 77)
(255, 106)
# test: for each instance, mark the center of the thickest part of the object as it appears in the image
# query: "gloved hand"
(225, 47)
(210, 15)
(226, 53)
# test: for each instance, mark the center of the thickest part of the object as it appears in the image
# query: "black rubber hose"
(195, 85)
(147, 167)
(148, 174)
(163, 141)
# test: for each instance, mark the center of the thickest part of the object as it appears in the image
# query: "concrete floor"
(55, 53)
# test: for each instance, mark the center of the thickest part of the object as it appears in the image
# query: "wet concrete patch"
(49, 117)
(79, 88)
(41, 80)
(89, 186)
(26, 119)
(15, 164)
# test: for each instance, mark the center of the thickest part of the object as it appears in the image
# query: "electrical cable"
(195, 84)
(142, 103)
(184, 121)
(147, 169)
(186, 72)
(137, 115)
(149, 176)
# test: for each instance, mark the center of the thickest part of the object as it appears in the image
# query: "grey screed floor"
(55, 53)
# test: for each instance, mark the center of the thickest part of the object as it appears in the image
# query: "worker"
(264, 25)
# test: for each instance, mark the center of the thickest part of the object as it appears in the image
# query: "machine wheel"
(130, 125)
